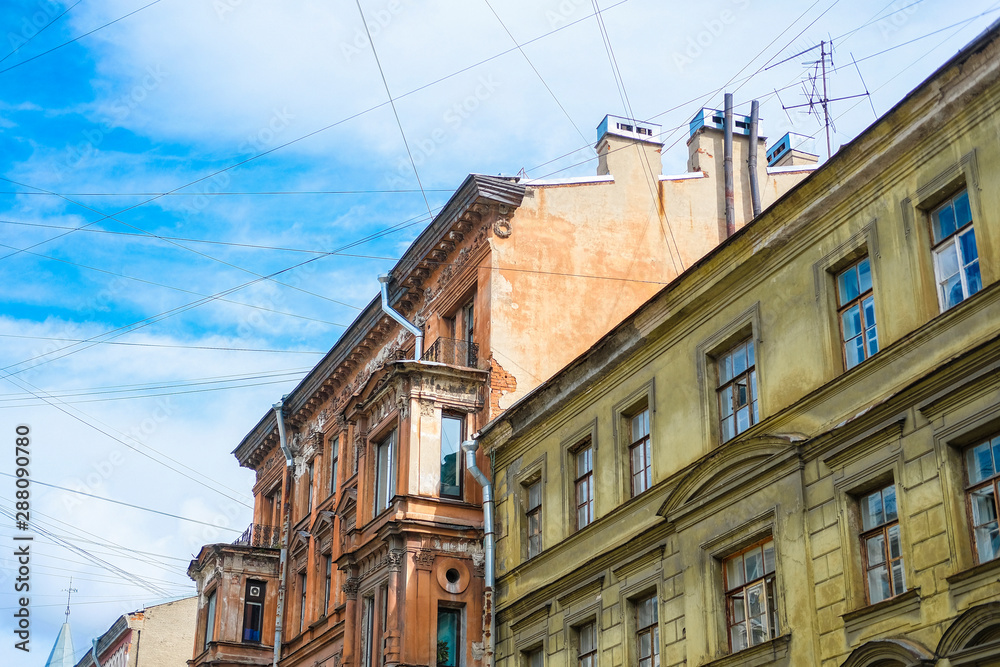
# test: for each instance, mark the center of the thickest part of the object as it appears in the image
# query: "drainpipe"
(470, 447)
(285, 529)
(727, 166)
(418, 350)
(93, 653)
(752, 158)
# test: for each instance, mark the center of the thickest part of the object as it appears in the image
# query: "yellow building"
(791, 454)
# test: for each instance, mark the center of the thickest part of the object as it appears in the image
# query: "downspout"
(727, 166)
(93, 653)
(418, 347)
(752, 158)
(470, 447)
(285, 528)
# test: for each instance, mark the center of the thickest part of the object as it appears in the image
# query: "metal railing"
(453, 351)
(257, 535)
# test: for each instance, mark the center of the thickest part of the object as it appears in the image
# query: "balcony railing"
(454, 352)
(257, 535)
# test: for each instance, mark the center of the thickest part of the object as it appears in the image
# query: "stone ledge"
(772, 652)
(856, 621)
(974, 578)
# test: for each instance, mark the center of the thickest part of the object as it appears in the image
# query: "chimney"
(789, 151)
(617, 137)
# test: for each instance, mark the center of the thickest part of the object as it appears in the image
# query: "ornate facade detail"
(502, 226)
(479, 563)
(351, 588)
(426, 409)
(478, 650)
(395, 558)
(424, 559)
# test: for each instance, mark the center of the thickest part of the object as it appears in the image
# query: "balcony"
(454, 352)
(257, 535)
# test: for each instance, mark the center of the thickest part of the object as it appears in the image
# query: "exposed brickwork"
(501, 384)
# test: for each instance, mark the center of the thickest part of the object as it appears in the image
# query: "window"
(452, 429)
(534, 658)
(302, 601)
(328, 559)
(309, 488)
(737, 390)
(856, 310)
(368, 629)
(468, 322)
(534, 516)
(587, 652)
(385, 472)
(956, 259)
(449, 627)
(647, 632)
(253, 611)
(981, 466)
(584, 485)
(639, 452)
(210, 619)
(881, 550)
(750, 596)
(334, 458)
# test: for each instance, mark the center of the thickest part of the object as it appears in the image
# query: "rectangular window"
(327, 586)
(981, 465)
(302, 602)
(383, 592)
(253, 611)
(584, 485)
(640, 452)
(334, 458)
(534, 516)
(368, 629)
(880, 546)
(750, 596)
(647, 632)
(956, 258)
(737, 390)
(856, 310)
(309, 488)
(534, 658)
(385, 472)
(587, 653)
(449, 629)
(468, 322)
(452, 431)
(210, 619)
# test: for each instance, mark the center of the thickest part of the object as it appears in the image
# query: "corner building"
(366, 545)
(791, 454)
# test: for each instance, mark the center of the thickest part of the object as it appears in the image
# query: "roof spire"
(69, 591)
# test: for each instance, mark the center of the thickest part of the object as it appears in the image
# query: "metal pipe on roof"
(470, 447)
(409, 326)
(727, 166)
(752, 158)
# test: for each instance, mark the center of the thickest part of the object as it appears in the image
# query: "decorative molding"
(350, 587)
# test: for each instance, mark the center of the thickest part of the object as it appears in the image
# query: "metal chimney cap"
(383, 278)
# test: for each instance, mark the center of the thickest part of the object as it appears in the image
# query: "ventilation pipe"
(727, 166)
(279, 414)
(470, 447)
(418, 350)
(752, 158)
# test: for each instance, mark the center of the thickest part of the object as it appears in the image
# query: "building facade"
(789, 455)
(366, 543)
(156, 636)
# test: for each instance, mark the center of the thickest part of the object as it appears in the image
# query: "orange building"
(367, 542)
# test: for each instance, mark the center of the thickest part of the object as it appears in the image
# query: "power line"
(78, 37)
(219, 194)
(40, 30)
(181, 347)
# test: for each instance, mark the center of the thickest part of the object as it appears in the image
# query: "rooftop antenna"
(69, 591)
(817, 99)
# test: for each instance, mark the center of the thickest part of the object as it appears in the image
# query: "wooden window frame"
(734, 591)
(645, 441)
(533, 513)
(883, 529)
(859, 302)
(588, 478)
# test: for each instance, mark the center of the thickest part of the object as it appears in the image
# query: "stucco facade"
(156, 636)
(784, 456)
(384, 524)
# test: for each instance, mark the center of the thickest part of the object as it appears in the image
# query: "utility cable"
(40, 30)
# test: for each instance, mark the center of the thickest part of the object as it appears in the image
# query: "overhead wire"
(39, 31)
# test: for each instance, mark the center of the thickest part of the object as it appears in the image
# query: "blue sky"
(196, 146)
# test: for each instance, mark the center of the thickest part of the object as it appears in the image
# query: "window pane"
(987, 542)
(878, 585)
(972, 278)
(872, 341)
(646, 612)
(848, 284)
(963, 212)
(769, 558)
(851, 319)
(742, 419)
(871, 510)
(739, 360)
(753, 389)
(750, 353)
(726, 402)
(584, 462)
(739, 608)
(738, 637)
(535, 495)
(734, 572)
(875, 548)
(451, 468)
(947, 258)
(894, 548)
(447, 637)
(864, 275)
(754, 564)
(740, 390)
(854, 351)
(728, 428)
(725, 369)
(587, 638)
(898, 578)
(979, 460)
(967, 244)
(983, 502)
(951, 291)
(944, 222)
(889, 502)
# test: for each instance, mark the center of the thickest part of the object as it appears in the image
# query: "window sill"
(974, 578)
(774, 651)
(860, 619)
